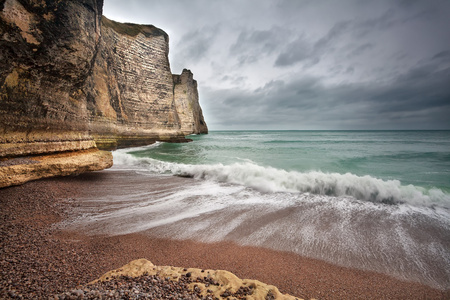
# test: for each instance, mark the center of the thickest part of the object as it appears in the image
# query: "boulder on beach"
(204, 283)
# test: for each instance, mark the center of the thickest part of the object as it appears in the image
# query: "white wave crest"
(272, 180)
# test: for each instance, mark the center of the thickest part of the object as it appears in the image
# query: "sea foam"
(409, 242)
(272, 180)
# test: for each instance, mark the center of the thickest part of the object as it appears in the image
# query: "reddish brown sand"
(38, 260)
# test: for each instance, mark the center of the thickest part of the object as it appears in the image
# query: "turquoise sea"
(378, 166)
(373, 200)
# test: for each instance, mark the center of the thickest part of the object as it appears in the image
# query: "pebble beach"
(40, 260)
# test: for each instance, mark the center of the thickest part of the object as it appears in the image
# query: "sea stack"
(186, 102)
(71, 80)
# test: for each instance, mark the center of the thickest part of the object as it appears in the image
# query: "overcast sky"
(308, 64)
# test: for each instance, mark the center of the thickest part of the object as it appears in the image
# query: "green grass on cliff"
(133, 29)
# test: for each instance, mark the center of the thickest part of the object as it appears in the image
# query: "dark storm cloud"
(310, 52)
(425, 86)
(295, 52)
(301, 50)
(309, 64)
(252, 45)
(419, 98)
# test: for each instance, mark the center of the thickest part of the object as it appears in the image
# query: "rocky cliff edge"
(72, 80)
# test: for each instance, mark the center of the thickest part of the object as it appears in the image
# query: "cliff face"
(72, 80)
(186, 102)
(46, 55)
(130, 94)
(69, 76)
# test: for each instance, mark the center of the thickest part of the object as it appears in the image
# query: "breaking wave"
(272, 180)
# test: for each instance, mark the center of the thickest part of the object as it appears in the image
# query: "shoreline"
(37, 258)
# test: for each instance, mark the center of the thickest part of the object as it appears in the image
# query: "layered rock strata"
(72, 80)
(186, 102)
(130, 93)
(20, 170)
(47, 50)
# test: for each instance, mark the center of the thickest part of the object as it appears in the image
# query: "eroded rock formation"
(214, 284)
(20, 170)
(186, 102)
(73, 80)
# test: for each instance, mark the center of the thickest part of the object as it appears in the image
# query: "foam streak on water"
(401, 240)
(350, 218)
(268, 179)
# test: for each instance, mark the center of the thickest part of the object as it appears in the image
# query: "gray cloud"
(235, 80)
(297, 51)
(301, 50)
(252, 45)
(424, 87)
(356, 51)
(419, 98)
(282, 64)
(334, 33)
(195, 44)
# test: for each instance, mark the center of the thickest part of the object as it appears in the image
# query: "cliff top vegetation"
(134, 29)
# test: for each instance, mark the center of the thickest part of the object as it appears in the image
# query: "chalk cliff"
(47, 50)
(131, 91)
(186, 102)
(71, 80)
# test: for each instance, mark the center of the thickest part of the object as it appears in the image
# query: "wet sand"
(38, 259)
